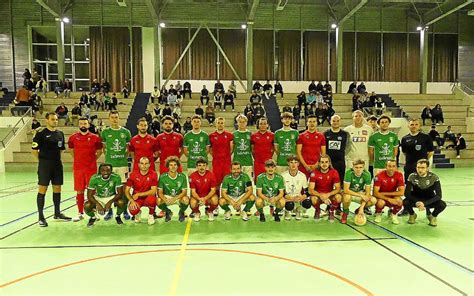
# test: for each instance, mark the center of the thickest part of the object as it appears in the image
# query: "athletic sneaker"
(317, 214)
(78, 218)
(395, 219)
(433, 221)
(118, 220)
(262, 217)
(331, 216)
(42, 223)
(277, 217)
(245, 216)
(323, 213)
(62, 217)
(191, 215)
(151, 220)
(110, 214)
(168, 216)
(181, 217)
(367, 211)
(91, 222)
(293, 213)
(197, 217)
(138, 217)
(216, 212)
(288, 215)
(126, 215)
(378, 217)
(344, 218)
(411, 219)
(237, 213)
(298, 215)
(227, 215)
(210, 216)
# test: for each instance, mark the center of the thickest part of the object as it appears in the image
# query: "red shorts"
(220, 170)
(258, 168)
(304, 171)
(82, 178)
(149, 202)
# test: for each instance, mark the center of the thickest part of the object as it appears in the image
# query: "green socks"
(225, 207)
(248, 205)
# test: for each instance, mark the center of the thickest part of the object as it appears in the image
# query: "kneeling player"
(104, 190)
(296, 187)
(325, 187)
(357, 185)
(143, 182)
(389, 187)
(236, 190)
(270, 190)
(203, 190)
(172, 189)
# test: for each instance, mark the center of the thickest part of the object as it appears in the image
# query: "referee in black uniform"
(47, 147)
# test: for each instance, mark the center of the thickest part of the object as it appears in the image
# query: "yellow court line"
(179, 264)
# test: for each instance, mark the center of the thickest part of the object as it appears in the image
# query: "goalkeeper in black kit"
(423, 191)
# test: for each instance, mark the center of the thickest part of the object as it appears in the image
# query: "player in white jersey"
(296, 187)
(359, 134)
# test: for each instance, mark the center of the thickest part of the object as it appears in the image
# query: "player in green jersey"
(105, 189)
(172, 189)
(236, 189)
(196, 144)
(270, 190)
(242, 150)
(383, 145)
(285, 142)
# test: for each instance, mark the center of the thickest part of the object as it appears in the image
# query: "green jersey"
(173, 186)
(115, 142)
(105, 188)
(235, 187)
(357, 183)
(242, 148)
(383, 145)
(196, 145)
(270, 187)
(286, 141)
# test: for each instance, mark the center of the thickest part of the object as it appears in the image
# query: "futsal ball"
(289, 206)
(360, 220)
(306, 203)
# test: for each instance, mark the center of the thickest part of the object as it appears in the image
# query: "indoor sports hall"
(97, 95)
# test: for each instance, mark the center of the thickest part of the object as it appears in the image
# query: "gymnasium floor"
(234, 257)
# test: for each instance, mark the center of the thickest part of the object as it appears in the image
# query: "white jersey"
(359, 142)
(294, 184)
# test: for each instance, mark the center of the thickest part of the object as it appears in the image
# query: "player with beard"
(203, 190)
(196, 144)
(143, 145)
(270, 190)
(221, 148)
(285, 142)
(337, 143)
(309, 147)
(170, 143)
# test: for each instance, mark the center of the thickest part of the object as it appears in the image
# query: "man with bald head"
(336, 145)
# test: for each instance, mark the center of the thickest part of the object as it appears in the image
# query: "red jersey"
(324, 183)
(262, 145)
(143, 147)
(169, 145)
(220, 145)
(85, 147)
(387, 183)
(312, 143)
(142, 183)
(202, 184)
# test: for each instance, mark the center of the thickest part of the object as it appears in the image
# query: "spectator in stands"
(179, 89)
(67, 88)
(257, 87)
(426, 114)
(449, 135)
(177, 126)
(258, 112)
(114, 102)
(278, 88)
(294, 124)
(85, 111)
(210, 114)
(22, 101)
(320, 114)
(327, 97)
(233, 89)
(155, 126)
(95, 86)
(58, 89)
(352, 88)
(373, 97)
(35, 124)
(204, 95)
(35, 77)
(92, 125)
(297, 112)
(235, 120)
(255, 99)
(218, 87)
(372, 122)
(460, 145)
(319, 98)
(311, 87)
(229, 100)
(301, 99)
(172, 96)
(93, 99)
(84, 99)
(248, 111)
(177, 111)
(62, 113)
(287, 108)
(311, 98)
(356, 103)
(163, 95)
(199, 111)
(187, 126)
(166, 111)
(307, 111)
(157, 110)
(155, 95)
(328, 86)
(172, 90)
(42, 86)
(148, 117)
(104, 85)
(26, 76)
(125, 89)
(437, 115)
(187, 89)
(268, 95)
(36, 103)
(319, 86)
(218, 100)
(379, 106)
(361, 88)
(435, 136)
(99, 102)
(76, 113)
(267, 86)
(179, 100)
(107, 101)
(329, 112)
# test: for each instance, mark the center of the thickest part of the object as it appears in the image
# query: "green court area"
(235, 257)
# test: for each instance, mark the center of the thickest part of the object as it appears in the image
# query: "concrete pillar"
(249, 56)
(157, 53)
(423, 60)
(339, 59)
(60, 48)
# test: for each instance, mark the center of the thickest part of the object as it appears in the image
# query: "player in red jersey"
(143, 145)
(221, 149)
(85, 148)
(170, 143)
(309, 147)
(144, 183)
(262, 146)
(389, 187)
(325, 187)
(203, 190)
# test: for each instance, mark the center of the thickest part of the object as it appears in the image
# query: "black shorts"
(50, 171)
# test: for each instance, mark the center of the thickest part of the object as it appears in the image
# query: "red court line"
(333, 274)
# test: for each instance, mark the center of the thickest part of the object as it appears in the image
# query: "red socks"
(80, 202)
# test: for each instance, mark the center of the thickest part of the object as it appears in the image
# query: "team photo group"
(240, 172)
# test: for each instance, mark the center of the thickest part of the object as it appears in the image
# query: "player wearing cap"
(270, 190)
(296, 188)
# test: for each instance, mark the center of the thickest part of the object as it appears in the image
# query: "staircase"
(440, 161)
(273, 113)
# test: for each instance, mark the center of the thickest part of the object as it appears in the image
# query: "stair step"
(441, 160)
(438, 156)
(444, 165)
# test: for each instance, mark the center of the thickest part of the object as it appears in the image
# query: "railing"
(13, 131)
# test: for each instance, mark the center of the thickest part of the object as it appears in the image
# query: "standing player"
(242, 145)
(285, 142)
(359, 134)
(46, 148)
(383, 145)
(357, 187)
(296, 187)
(143, 145)
(236, 190)
(389, 188)
(104, 190)
(270, 190)
(325, 187)
(115, 139)
(262, 146)
(203, 190)
(170, 143)
(173, 188)
(196, 144)
(221, 147)
(85, 148)
(337, 144)
(143, 183)
(309, 147)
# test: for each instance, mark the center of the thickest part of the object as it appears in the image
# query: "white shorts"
(122, 172)
(248, 170)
